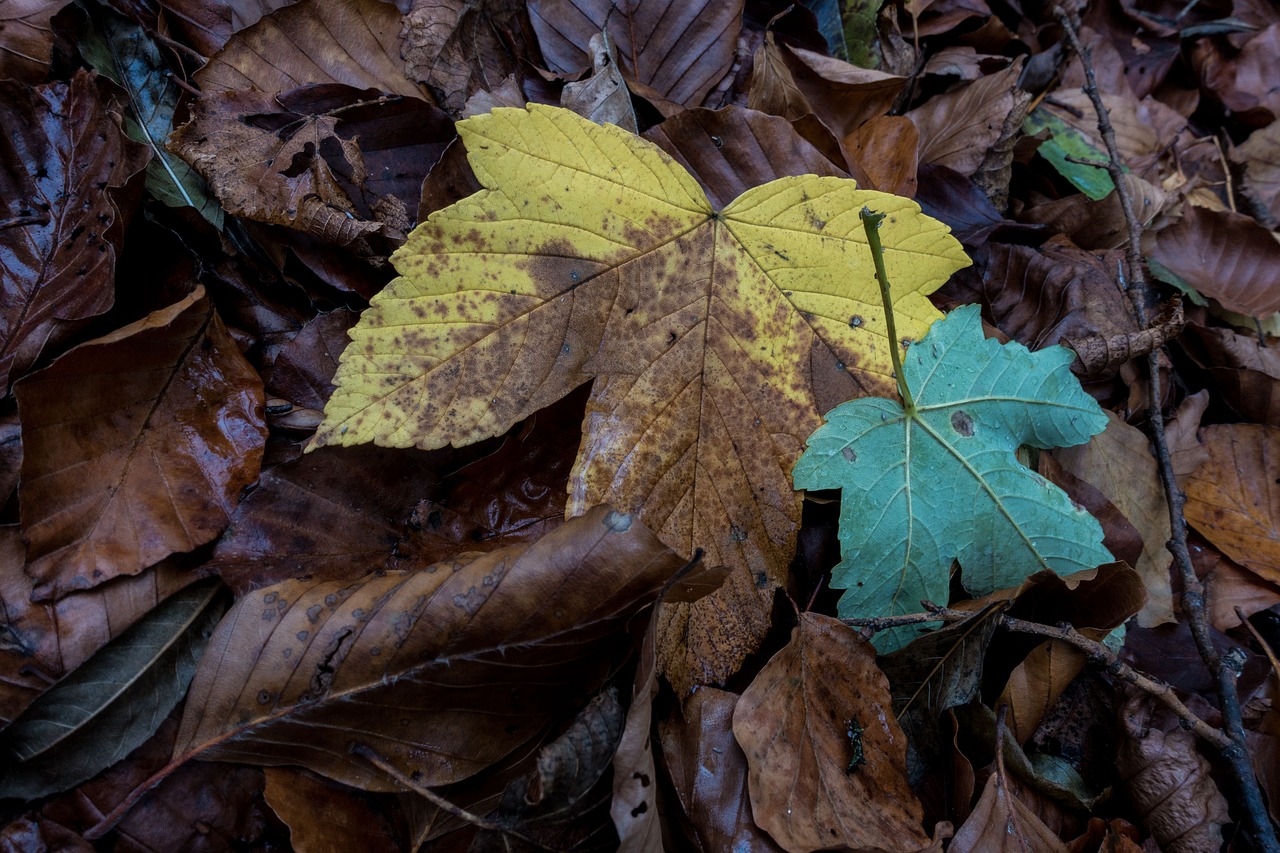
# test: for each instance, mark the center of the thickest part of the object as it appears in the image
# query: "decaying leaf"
(114, 701)
(443, 671)
(941, 482)
(1167, 780)
(461, 47)
(827, 759)
(603, 97)
(119, 474)
(1232, 499)
(710, 334)
(61, 183)
(679, 49)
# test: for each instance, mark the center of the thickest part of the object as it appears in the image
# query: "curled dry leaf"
(1225, 256)
(772, 89)
(1260, 156)
(1232, 499)
(1167, 780)
(603, 97)
(137, 446)
(827, 758)
(63, 175)
(843, 96)
(443, 671)
(959, 129)
(105, 708)
(679, 49)
(1118, 462)
(709, 771)
(355, 43)
(461, 47)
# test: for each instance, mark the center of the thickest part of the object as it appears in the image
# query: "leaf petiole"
(871, 224)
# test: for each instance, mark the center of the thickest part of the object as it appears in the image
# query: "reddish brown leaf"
(10, 454)
(205, 25)
(679, 49)
(356, 44)
(325, 817)
(844, 96)
(1233, 499)
(443, 671)
(772, 88)
(957, 129)
(459, 47)
(1243, 81)
(732, 150)
(26, 41)
(827, 758)
(886, 149)
(61, 177)
(137, 446)
(1226, 256)
(709, 773)
(1228, 586)
(303, 369)
(1167, 780)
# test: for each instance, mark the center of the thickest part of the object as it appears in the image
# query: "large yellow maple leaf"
(716, 339)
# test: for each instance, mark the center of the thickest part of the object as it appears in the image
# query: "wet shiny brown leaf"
(60, 181)
(137, 446)
(827, 758)
(443, 670)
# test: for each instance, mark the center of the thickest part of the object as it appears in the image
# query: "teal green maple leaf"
(940, 481)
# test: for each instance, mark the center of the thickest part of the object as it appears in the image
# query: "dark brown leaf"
(325, 817)
(709, 773)
(137, 446)
(206, 25)
(844, 96)
(303, 369)
(26, 40)
(443, 670)
(1243, 371)
(680, 49)
(1225, 256)
(356, 44)
(958, 129)
(63, 172)
(1002, 823)
(827, 759)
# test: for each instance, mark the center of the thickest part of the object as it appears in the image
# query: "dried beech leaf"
(958, 129)
(461, 47)
(1119, 463)
(1225, 256)
(1167, 780)
(827, 759)
(681, 49)
(772, 88)
(1232, 499)
(206, 26)
(1244, 373)
(26, 40)
(114, 701)
(443, 670)
(137, 446)
(844, 96)
(356, 43)
(1260, 155)
(62, 173)
(709, 773)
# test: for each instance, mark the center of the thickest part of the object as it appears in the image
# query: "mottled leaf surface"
(593, 254)
(920, 489)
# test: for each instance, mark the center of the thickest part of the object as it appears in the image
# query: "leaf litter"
(327, 132)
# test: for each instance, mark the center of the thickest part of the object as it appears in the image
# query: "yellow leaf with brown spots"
(716, 339)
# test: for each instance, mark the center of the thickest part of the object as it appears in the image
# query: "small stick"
(871, 225)
(1097, 653)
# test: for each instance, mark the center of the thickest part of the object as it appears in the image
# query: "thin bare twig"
(1096, 652)
(1236, 753)
(369, 755)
